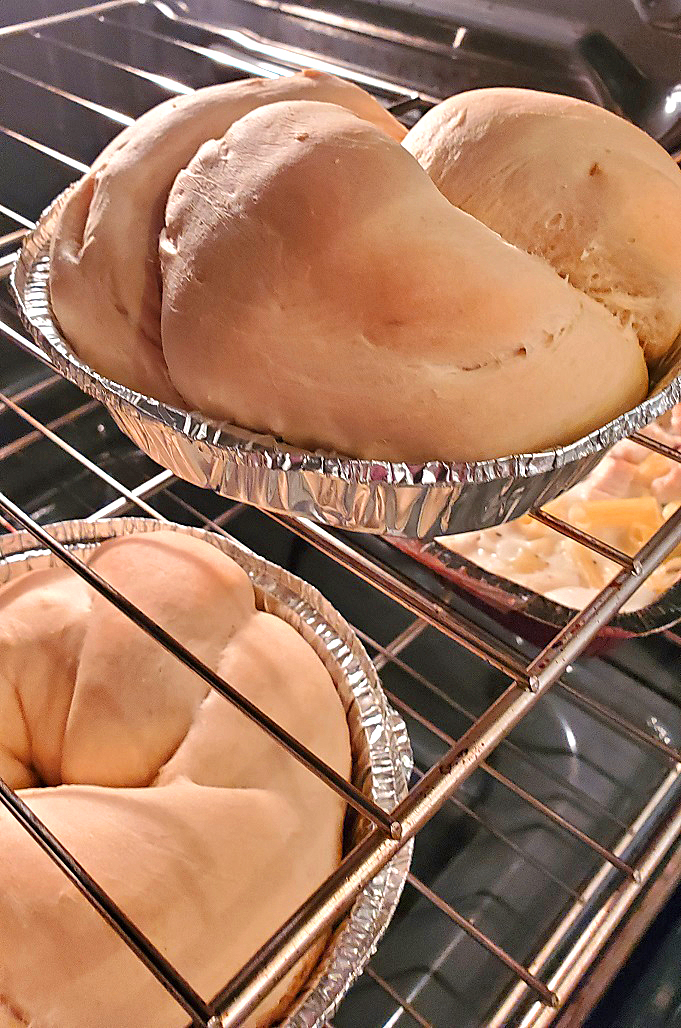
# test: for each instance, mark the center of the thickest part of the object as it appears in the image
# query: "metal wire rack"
(624, 851)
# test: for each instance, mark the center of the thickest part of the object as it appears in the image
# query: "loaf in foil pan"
(417, 501)
(381, 754)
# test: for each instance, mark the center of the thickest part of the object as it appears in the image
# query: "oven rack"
(622, 879)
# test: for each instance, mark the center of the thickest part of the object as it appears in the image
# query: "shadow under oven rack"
(545, 806)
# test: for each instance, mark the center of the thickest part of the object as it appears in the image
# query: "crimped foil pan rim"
(386, 497)
(663, 613)
(382, 758)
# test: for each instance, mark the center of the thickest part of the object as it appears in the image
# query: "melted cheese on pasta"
(623, 501)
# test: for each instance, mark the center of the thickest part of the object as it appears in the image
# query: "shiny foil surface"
(381, 753)
(413, 501)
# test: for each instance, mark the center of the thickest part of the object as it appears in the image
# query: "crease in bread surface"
(268, 255)
(106, 240)
(586, 190)
(178, 805)
(371, 321)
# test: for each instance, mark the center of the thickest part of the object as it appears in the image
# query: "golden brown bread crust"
(227, 809)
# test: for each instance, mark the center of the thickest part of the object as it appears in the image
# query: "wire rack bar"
(55, 19)
(16, 337)
(172, 85)
(350, 793)
(394, 994)
(611, 716)
(579, 795)
(400, 589)
(467, 926)
(150, 487)
(64, 94)
(6, 264)
(562, 822)
(576, 960)
(597, 545)
(214, 524)
(128, 497)
(241, 996)
(70, 162)
(306, 59)
(517, 790)
(361, 27)
(612, 913)
(656, 446)
(151, 957)
(399, 643)
(19, 218)
(388, 654)
(285, 57)
(10, 238)
(31, 437)
(529, 858)
(618, 948)
(158, 484)
(606, 714)
(229, 60)
(45, 431)
(570, 641)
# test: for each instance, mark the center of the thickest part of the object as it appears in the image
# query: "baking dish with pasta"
(526, 568)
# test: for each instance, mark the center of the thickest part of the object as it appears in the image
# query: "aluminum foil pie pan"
(381, 753)
(418, 501)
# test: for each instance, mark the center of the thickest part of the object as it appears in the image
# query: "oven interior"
(530, 853)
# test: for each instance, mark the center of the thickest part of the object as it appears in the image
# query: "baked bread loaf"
(104, 278)
(317, 286)
(176, 803)
(581, 187)
(301, 239)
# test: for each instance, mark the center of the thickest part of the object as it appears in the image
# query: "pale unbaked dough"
(586, 190)
(316, 285)
(203, 830)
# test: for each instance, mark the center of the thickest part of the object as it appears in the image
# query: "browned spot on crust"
(14, 1011)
